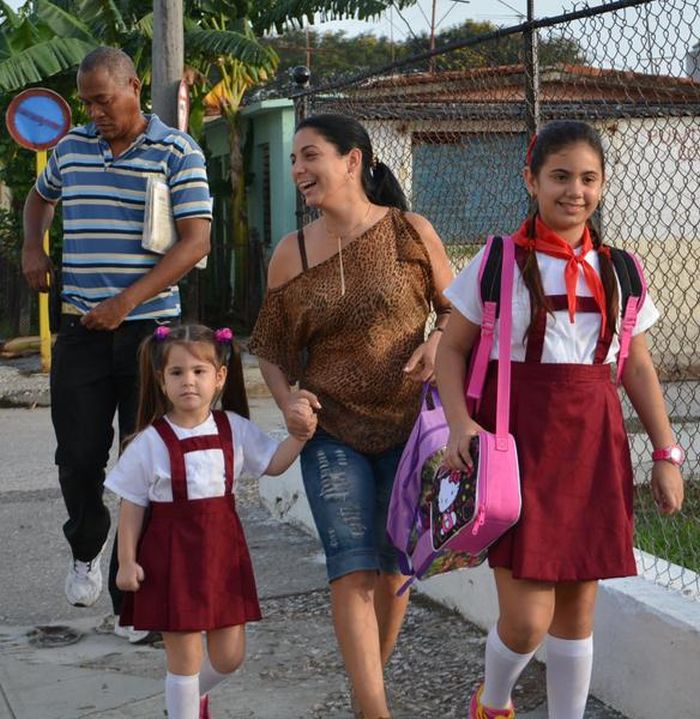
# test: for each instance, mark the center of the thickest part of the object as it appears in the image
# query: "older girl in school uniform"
(576, 523)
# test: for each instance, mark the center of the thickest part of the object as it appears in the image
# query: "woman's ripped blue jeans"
(349, 496)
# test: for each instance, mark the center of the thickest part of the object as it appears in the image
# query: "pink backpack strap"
(482, 351)
(630, 313)
(504, 336)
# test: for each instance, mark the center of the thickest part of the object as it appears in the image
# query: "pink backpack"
(441, 520)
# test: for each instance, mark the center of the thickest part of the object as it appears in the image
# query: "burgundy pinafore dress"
(198, 572)
(576, 521)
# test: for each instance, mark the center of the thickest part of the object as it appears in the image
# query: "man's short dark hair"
(115, 61)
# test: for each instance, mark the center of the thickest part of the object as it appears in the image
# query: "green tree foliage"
(39, 41)
(502, 51)
(280, 15)
(336, 54)
(331, 54)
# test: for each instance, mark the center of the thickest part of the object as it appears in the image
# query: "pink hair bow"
(161, 332)
(223, 335)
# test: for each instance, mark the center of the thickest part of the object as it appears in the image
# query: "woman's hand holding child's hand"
(129, 576)
(299, 414)
(457, 455)
(301, 423)
(667, 487)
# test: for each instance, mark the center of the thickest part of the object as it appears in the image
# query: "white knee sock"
(503, 667)
(569, 664)
(209, 677)
(182, 696)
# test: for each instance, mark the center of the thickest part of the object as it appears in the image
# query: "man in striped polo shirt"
(114, 292)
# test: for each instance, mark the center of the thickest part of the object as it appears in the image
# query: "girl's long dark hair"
(201, 342)
(378, 181)
(553, 137)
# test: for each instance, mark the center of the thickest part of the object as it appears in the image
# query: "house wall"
(271, 122)
(651, 207)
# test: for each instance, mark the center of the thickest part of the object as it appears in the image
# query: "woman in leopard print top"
(345, 317)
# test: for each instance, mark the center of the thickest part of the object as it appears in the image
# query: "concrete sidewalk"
(60, 662)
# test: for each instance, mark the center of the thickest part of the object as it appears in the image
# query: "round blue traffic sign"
(38, 118)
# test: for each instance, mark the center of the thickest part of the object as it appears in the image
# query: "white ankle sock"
(503, 667)
(209, 677)
(569, 664)
(182, 696)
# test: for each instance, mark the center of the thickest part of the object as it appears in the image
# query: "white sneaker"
(84, 582)
(135, 636)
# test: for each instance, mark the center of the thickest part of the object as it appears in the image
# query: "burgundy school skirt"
(198, 573)
(576, 473)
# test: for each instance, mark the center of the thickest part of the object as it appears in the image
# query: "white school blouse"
(564, 342)
(142, 474)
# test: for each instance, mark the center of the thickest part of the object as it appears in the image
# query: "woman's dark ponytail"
(378, 181)
(382, 187)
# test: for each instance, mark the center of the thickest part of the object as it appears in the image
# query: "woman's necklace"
(340, 237)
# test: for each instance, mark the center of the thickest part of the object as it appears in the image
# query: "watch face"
(676, 454)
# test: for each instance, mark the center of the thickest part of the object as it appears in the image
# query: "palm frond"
(62, 23)
(281, 14)
(236, 78)
(104, 19)
(25, 35)
(11, 18)
(145, 25)
(37, 63)
(214, 43)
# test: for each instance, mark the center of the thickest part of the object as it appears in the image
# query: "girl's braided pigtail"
(607, 276)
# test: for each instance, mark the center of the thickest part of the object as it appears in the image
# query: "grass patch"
(676, 538)
(460, 254)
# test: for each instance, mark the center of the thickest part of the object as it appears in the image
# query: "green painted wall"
(270, 123)
(238, 270)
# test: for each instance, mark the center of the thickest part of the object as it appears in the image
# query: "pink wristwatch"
(673, 453)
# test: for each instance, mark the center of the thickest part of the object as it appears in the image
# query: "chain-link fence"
(454, 127)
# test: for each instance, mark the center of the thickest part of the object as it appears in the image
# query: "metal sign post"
(37, 119)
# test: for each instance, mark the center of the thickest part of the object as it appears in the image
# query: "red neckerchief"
(548, 242)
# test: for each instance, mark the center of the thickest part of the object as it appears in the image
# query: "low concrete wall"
(647, 639)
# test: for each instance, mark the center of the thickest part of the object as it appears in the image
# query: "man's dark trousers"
(94, 374)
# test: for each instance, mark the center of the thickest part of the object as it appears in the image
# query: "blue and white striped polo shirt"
(103, 209)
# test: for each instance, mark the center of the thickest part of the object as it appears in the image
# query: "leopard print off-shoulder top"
(350, 350)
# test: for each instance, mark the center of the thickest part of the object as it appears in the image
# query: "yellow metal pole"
(44, 329)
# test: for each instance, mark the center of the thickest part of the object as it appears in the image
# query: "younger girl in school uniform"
(183, 558)
(576, 522)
